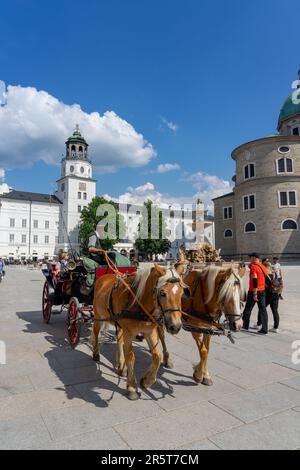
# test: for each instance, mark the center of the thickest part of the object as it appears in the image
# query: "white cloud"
(2, 174)
(208, 187)
(34, 126)
(140, 194)
(171, 125)
(165, 167)
(4, 188)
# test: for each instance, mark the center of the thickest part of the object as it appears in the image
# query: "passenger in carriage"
(64, 262)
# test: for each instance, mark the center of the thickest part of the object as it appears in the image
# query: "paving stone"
(293, 383)
(258, 376)
(199, 445)
(255, 404)
(176, 428)
(278, 432)
(37, 402)
(9, 386)
(100, 439)
(81, 401)
(287, 362)
(172, 392)
(101, 415)
(22, 433)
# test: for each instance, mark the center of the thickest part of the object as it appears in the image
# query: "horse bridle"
(233, 317)
(172, 280)
(237, 282)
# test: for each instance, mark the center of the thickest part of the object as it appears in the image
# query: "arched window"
(289, 224)
(285, 165)
(228, 233)
(250, 227)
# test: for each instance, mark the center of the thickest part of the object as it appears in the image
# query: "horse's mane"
(140, 280)
(226, 290)
(142, 276)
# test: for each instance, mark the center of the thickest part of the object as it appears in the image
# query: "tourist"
(276, 266)
(272, 295)
(2, 267)
(256, 294)
(64, 262)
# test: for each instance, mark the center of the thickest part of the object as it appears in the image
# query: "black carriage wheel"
(74, 322)
(46, 303)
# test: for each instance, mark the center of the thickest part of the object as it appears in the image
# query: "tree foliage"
(152, 223)
(89, 221)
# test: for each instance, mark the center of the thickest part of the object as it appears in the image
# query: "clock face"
(71, 168)
(82, 170)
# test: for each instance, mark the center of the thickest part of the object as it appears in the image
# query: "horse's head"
(231, 295)
(169, 291)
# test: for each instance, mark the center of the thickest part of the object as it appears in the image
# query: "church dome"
(291, 106)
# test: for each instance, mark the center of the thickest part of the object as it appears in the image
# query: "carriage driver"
(94, 247)
(94, 260)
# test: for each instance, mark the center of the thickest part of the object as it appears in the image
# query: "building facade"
(38, 226)
(262, 212)
(28, 225)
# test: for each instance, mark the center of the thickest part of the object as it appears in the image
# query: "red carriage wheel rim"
(73, 322)
(46, 302)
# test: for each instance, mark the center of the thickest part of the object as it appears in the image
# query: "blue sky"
(217, 72)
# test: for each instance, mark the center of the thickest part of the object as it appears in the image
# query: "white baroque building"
(37, 226)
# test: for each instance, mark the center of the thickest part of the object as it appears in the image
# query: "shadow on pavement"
(76, 369)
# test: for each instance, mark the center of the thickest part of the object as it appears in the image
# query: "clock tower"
(76, 189)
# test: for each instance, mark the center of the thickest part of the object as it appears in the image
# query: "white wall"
(19, 210)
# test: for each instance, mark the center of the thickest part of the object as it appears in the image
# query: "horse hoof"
(198, 381)
(207, 382)
(122, 372)
(96, 357)
(142, 384)
(133, 396)
(169, 364)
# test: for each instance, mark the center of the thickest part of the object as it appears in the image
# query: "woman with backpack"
(273, 289)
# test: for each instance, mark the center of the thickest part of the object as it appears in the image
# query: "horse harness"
(139, 314)
(215, 327)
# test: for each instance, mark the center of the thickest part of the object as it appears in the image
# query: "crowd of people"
(265, 289)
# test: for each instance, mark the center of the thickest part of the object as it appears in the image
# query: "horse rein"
(214, 327)
(120, 275)
(172, 280)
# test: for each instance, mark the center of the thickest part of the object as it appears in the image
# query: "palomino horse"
(213, 291)
(159, 292)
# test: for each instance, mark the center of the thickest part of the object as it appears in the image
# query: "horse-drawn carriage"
(67, 289)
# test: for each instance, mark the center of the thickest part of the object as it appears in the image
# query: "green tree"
(152, 223)
(90, 219)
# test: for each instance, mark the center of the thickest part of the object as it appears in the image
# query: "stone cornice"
(274, 138)
(268, 180)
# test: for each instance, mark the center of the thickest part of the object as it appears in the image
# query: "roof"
(290, 107)
(76, 137)
(224, 195)
(28, 196)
